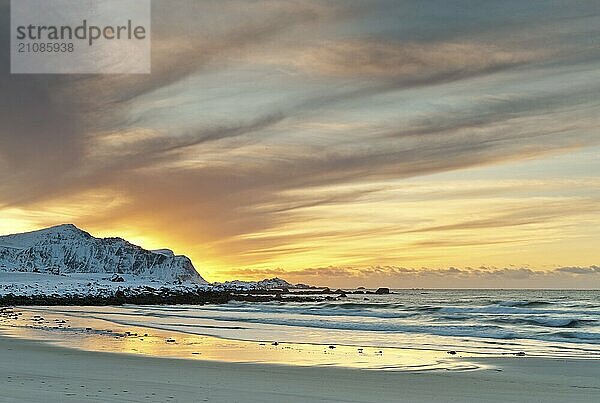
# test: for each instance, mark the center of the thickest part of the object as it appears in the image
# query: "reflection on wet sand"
(103, 336)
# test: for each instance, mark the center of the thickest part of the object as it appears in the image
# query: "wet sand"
(72, 330)
(36, 371)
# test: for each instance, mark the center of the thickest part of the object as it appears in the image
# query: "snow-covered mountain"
(66, 249)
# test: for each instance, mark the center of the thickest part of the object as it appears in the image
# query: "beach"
(299, 201)
(412, 346)
(36, 371)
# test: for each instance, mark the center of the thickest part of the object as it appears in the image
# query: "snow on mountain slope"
(67, 249)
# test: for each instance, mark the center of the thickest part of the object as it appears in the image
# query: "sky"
(346, 143)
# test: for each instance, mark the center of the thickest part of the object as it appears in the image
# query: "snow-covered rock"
(86, 284)
(65, 249)
(266, 284)
(166, 252)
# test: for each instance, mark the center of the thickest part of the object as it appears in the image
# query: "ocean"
(535, 322)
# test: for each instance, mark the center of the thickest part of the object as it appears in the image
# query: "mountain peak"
(68, 249)
(65, 228)
(28, 239)
(62, 230)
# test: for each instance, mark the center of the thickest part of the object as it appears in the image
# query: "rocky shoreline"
(156, 297)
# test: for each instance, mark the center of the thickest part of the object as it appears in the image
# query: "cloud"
(450, 277)
(408, 62)
(580, 270)
(536, 213)
(182, 47)
(49, 123)
(254, 107)
(394, 272)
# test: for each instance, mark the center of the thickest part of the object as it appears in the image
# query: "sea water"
(536, 322)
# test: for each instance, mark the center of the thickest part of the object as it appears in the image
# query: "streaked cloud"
(294, 134)
(411, 62)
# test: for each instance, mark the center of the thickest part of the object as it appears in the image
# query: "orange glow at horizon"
(329, 143)
(406, 225)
